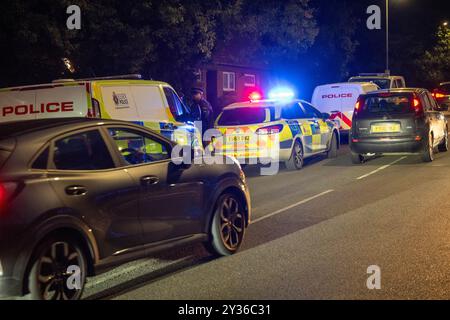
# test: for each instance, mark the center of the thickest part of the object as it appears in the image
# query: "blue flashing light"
(281, 94)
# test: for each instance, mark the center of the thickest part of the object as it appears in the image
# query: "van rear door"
(44, 102)
(338, 100)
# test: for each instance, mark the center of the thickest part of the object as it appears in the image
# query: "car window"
(246, 115)
(42, 160)
(82, 151)
(428, 105)
(311, 112)
(387, 103)
(432, 102)
(137, 147)
(175, 105)
(293, 111)
(399, 83)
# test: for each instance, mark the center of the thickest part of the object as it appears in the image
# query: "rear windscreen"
(241, 116)
(392, 103)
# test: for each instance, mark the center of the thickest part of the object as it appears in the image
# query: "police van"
(339, 100)
(152, 104)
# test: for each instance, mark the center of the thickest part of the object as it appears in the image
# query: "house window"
(229, 81)
(249, 80)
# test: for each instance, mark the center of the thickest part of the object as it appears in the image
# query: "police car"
(278, 129)
(152, 104)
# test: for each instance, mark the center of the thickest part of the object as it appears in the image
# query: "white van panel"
(134, 103)
(119, 103)
(56, 102)
(149, 102)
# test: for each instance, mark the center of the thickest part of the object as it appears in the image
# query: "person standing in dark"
(202, 109)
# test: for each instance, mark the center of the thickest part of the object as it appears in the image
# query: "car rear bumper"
(387, 146)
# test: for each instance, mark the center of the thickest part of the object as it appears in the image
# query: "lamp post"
(387, 37)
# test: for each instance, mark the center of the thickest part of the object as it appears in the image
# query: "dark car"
(442, 95)
(79, 196)
(398, 121)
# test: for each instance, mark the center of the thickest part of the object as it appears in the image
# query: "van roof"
(348, 84)
(81, 83)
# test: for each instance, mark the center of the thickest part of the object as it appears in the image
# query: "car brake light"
(439, 95)
(2, 195)
(270, 129)
(417, 105)
(7, 190)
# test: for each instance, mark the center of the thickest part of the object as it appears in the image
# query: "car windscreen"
(246, 115)
(382, 83)
(392, 103)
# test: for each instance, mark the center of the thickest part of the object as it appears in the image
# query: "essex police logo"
(120, 100)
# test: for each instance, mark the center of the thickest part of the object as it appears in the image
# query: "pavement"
(314, 235)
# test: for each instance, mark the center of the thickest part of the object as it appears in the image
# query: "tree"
(162, 39)
(435, 63)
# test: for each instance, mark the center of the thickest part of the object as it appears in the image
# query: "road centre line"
(292, 206)
(381, 168)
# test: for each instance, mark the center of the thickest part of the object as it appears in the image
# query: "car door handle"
(149, 180)
(76, 191)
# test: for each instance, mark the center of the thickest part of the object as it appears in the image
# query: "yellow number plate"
(235, 139)
(386, 128)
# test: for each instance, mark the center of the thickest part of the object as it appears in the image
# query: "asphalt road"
(314, 234)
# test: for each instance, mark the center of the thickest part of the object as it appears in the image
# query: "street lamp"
(445, 24)
(387, 37)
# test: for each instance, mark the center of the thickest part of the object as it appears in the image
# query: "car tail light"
(417, 105)
(358, 105)
(270, 129)
(7, 191)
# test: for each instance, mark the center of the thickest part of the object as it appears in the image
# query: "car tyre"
(49, 275)
(297, 157)
(428, 152)
(443, 147)
(228, 226)
(357, 158)
(332, 151)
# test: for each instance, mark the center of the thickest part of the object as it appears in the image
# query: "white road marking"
(292, 206)
(381, 168)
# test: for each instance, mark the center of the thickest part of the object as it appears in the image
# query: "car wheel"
(332, 152)
(296, 160)
(58, 270)
(428, 152)
(227, 227)
(357, 158)
(443, 147)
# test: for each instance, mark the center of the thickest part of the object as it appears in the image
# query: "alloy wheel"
(53, 271)
(232, 223)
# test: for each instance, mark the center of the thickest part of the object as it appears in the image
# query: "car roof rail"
(134, 76)
(374, 75)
